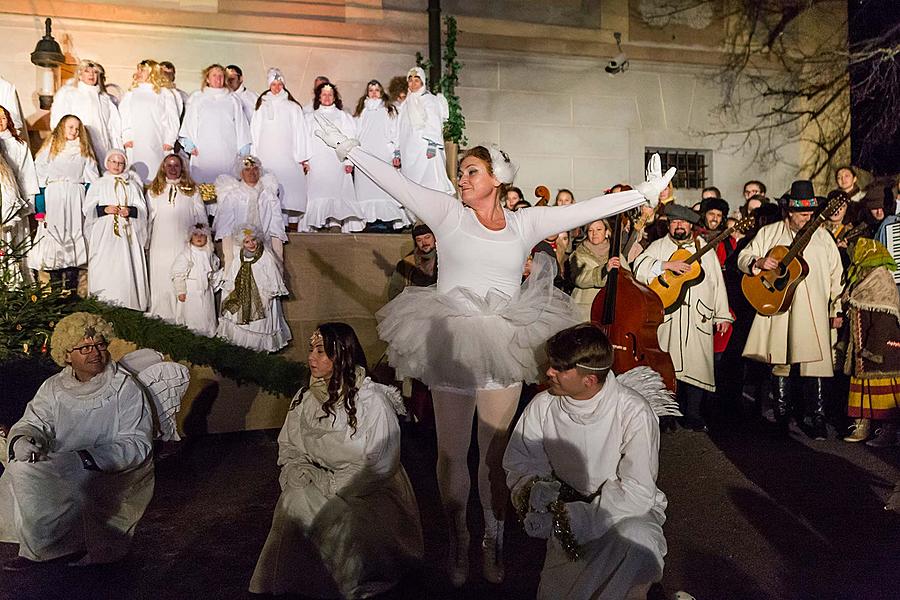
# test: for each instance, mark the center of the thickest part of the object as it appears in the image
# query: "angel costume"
(171, 214)
(196, 274)
(13, 225)
(215, 125)
(421, 123)
(149, 120)
(18, 157)
(602, 455)
(97, 111)
(59, 506)
(281, 140)
(117, 263)
(251, 307)
(332, 197)
(479, 327)
(60, 240)
(256, 205)
(346, 524)
(377, 131)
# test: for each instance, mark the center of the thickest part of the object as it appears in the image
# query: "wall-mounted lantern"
(47, 57)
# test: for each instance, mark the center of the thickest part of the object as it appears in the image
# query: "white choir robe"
(97, 111)
(281, 141)
(117, 262)
(9, 99)
(196, 274)
(350, 528)
(149, 121)
(687, 334)
(377, 134)
(60, 241)
(171, 216)
(422, 117)
(248, 101)
(608, 443)
(332, 198)
(214, 124)
(181, 100)
(271, 333)
(13, 224)
(56, 507)
(18, 157)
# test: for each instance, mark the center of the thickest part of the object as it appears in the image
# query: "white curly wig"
(70, 330)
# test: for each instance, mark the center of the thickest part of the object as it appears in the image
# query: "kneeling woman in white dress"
(346, 524)
(115, 221)
(251, 308)
(195, 278)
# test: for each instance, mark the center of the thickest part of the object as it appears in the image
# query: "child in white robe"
(195, 277)
(251, 309)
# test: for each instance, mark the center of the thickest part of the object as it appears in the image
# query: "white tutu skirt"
(460, 340)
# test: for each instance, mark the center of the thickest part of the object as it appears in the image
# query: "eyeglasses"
(85, 350)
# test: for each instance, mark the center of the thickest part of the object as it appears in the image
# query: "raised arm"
(543, 221)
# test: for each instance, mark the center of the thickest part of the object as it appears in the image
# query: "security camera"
(617, 64)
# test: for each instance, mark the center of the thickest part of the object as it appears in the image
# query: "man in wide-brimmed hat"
(797, 341)
(688, 334)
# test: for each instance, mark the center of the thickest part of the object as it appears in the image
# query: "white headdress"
(274, 74)
(248, 230)
(417, 72)
(504, 169)
(242, 162)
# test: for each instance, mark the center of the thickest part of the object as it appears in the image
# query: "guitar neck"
(802, 240)
(710, 245)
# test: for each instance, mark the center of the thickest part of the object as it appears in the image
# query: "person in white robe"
(116, 224)
(195, 277)
(15, 150)
(64, 164)
(234, 80)
(215, 129)
(19, 188)
(86, 98)
(9, 99)
(346, 524)
(150, 121)
(181, 97)
(251, 198)
(687, 332)
(319, 80)
(582, 465)
(281, 139)
(80, 469)
(252, 316)
(421, 135)
(174, 206)
(13, 236)
(332, 198)
(376, 126)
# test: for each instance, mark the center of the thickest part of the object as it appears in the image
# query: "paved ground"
(748, 518)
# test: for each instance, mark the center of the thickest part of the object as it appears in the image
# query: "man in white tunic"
(800, 337)
(86, 98)
(234, 79)
(9, 98)
(80, 470)
(687, 332)
(421, 135)
(167, 68)
(582, 465)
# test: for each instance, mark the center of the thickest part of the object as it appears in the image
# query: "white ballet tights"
(453, 412)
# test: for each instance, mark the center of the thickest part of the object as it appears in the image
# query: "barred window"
(693, 165)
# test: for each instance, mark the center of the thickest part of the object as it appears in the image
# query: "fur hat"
(421, 229)
(682, 213)
(719, 204)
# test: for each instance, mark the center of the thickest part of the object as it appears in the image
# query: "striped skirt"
(874, 398)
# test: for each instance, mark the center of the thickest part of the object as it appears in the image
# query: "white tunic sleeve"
(168, 119)
(300, 148)
(134, 436)
(126, 117)
(525, 457)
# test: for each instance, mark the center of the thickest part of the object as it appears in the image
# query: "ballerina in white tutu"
(475, 336)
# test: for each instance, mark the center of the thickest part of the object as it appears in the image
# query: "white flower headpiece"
(504, 169)
(273, 75)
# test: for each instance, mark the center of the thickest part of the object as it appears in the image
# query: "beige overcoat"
(802, 334)
(687, 334)
(589, 275)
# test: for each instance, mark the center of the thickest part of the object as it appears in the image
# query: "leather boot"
(818, 429)
(781, 404)
(860, 432)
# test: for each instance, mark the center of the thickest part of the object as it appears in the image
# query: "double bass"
(629, 313)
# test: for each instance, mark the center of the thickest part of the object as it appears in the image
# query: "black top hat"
(801, 197)
(683, 213)
(718, 204)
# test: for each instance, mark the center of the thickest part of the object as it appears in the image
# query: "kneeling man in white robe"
(582, 466)
(80, 470)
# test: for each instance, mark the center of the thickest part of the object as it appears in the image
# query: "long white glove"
(329, 133)
(656, 181)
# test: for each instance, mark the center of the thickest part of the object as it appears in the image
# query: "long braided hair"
(343, 348)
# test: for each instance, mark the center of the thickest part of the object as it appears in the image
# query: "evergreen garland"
(455, 125)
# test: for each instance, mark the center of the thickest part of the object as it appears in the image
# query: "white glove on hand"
(23, 448)
(539, 525)
(656, 181)
(335, 138)
(542, 494)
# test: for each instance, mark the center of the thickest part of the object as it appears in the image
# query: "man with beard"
(687, 333)
(419, 267)
(714, 211)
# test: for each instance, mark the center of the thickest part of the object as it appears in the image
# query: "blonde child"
(251, 309)
(195, 277)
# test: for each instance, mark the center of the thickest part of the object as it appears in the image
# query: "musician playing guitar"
(798, 337)
(688, 329)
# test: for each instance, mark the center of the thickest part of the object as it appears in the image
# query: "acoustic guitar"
(672, 287)
(771, 292)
